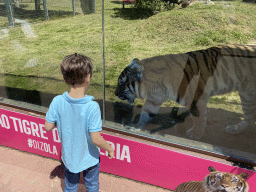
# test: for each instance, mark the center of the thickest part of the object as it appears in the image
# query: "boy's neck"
(77, 92)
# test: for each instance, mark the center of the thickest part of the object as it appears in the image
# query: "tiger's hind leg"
(199, 122)
(248, 102)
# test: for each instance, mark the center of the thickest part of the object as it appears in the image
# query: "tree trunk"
(37, 4)
(88, 6)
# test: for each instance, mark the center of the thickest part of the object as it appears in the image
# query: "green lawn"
(126, 37)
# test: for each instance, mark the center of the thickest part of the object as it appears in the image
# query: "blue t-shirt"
(75, 119)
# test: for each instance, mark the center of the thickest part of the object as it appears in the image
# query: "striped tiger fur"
(190, 79)
(217, 181)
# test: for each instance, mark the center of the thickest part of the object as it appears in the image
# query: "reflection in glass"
(180, 63)
(32, 50)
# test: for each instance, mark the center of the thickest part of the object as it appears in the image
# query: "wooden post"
(45, 10)
(73, 5)
(10, 13)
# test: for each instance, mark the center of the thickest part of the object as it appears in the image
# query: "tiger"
(217, 181)
(190, 79)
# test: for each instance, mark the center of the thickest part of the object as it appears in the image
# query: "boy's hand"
(49, 126)
(98, 140)
(111, 154)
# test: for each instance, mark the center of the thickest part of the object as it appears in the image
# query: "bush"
(151, 6)
(173, 1)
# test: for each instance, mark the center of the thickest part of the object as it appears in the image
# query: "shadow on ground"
(131, 13)
(35, 15)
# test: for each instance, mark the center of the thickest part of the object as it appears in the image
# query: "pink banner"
(134, 160)
(27, 133)
(159, 166)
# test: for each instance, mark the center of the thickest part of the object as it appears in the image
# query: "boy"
(79, 125)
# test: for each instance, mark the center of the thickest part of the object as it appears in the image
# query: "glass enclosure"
(168, 70)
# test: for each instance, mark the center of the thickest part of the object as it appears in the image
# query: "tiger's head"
(228, 182)
(127, 81)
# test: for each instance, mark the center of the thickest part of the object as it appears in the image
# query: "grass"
(128, 35)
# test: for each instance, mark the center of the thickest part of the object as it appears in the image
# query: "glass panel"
(31, 52)
(4, 20)
(170, 72)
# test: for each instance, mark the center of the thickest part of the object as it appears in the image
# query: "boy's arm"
(49, 126)
(100, 142)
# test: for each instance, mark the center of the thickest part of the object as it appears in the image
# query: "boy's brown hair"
(75, 68)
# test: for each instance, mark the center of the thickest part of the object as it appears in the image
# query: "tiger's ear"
(212, 169)
(244, 176)
(136, 70)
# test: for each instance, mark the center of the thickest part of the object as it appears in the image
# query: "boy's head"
(75, 68)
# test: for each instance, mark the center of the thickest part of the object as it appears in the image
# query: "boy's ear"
(212, 169)
(88, 77)
(244, 175)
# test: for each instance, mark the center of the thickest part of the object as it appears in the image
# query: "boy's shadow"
(59, 172)
(167, 120)
(123, 114)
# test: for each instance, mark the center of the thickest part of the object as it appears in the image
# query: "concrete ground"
(23, 172)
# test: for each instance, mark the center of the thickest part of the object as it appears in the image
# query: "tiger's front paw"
(135, 129)
(237, 129)
(195, 135)
(234, 129)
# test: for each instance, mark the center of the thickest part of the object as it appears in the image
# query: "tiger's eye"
(234, 179)
(218, 176)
